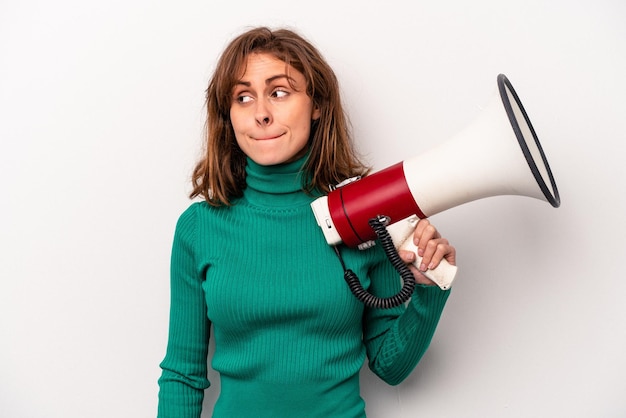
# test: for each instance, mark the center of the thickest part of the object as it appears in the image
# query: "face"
(270, 112)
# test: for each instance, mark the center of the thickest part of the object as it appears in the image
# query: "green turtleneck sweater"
(290, 338)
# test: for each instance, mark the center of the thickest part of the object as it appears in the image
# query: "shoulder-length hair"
(220, 175)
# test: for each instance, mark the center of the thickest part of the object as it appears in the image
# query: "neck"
(276, 185)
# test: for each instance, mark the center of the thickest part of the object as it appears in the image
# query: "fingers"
(431, 246)
(409, 258)
(424, 231)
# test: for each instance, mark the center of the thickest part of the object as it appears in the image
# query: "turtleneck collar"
(276, 185)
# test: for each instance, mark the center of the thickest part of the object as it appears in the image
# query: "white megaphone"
(498, 154)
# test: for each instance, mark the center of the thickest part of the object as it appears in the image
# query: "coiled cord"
(408, 279)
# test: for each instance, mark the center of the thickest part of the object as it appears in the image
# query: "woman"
(251, 261)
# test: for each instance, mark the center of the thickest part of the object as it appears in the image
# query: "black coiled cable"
(392, 254)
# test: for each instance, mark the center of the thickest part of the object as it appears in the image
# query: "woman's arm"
(184, 369)
(396, 339)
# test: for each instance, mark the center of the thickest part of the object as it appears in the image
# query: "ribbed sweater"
(290, 337)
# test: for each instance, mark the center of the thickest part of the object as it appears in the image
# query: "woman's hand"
(432, 247)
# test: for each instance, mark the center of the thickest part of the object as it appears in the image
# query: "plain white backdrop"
(101, 114)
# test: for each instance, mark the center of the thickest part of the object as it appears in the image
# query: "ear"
(315, 115)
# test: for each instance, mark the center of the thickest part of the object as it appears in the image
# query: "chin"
(269, 160)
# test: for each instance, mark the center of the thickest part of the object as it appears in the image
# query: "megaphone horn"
(485, 159)
(497, 154)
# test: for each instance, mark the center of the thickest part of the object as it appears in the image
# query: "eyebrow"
(269, 80)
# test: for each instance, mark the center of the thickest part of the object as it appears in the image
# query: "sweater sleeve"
(397, 338)
(184, 368)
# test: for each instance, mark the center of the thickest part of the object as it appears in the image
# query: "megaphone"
(497, 154)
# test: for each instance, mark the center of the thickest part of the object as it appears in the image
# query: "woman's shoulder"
(195, 209)
(188, 222)
(200, 211)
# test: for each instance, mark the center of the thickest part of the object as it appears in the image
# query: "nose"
(263, 115)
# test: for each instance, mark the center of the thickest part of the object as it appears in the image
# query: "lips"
(267, 138)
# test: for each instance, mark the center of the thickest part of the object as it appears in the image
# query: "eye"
(279, 93)
(243, 98)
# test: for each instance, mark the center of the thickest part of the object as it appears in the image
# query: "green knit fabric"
(290, 337)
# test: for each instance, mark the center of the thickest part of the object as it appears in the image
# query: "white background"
(101, 113)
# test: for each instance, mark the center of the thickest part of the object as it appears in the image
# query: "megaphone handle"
(442, 275)
(402, 234)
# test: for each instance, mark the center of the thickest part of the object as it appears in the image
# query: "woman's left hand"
(432, 247)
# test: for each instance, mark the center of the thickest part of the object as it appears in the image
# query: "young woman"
(250, 260)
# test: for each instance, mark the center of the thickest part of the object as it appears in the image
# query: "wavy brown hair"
(220, 175)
